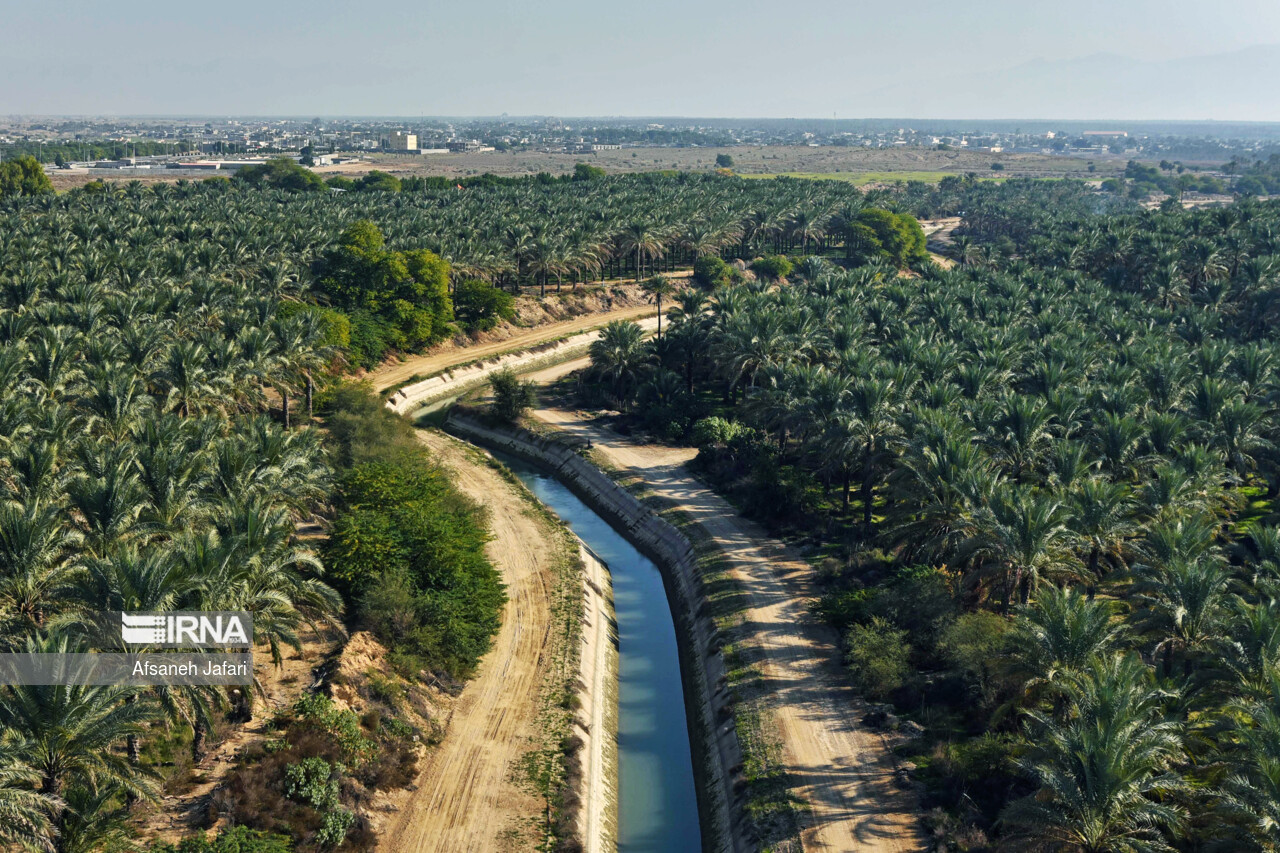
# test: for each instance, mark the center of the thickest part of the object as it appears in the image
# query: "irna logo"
(191, 629)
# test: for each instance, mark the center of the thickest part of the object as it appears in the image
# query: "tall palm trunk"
(198, 734)
(311, 392)
(284, 407)
(868, 496)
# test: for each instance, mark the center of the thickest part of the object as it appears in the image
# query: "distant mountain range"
(1240, 85)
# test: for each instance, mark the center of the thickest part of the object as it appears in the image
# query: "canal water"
(657, 802)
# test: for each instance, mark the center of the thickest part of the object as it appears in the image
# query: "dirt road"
(442, 359)
(842, 770)
(470, 797)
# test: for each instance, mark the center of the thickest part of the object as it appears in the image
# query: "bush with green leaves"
(281, 173)
(512, 397)
(313, 781)
(394, 299)
(715, 430)
(406, 546)
(236, 839)
(879, 657)
(479, 306)
(772, 267)
(710, 272)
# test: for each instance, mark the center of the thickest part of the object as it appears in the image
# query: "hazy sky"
(599, 57)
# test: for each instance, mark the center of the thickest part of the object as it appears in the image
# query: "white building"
(403, 141)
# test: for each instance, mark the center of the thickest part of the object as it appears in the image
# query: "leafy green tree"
(480, 306)
(710, 272)
(901, 239)
(587, 172)
(377, 181)
(724, 161)
(400, 299)
(281, 173)
(772, 267)
(511, 397)
(23, 176)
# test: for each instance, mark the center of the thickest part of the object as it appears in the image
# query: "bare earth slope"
(842, 770)
(426, 365)
(469, 797)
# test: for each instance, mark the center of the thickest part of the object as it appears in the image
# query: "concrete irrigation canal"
(657, 801)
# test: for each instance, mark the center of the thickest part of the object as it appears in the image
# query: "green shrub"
(879, 657)
(333, 831)
(236, 839)
(341, 726)
(714, 430)
(312, 781)
(511, 397)
(377, 181)
(772, 267)
(479, 305)
(406, 545)
(710, 272)
(281, 173)
(587, 172)
(973, 645)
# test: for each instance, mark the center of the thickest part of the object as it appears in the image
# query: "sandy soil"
(470, 795)
(842, 770)
(434, 362)
(748, 159)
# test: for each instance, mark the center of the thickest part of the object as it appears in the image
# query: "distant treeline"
(100, 150)
(1262, 177)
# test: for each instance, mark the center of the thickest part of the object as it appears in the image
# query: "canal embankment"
(716, 751)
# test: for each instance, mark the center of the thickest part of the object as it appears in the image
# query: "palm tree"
(1104, 768)
(1252, 791)
(1061, 632)
(1026, 535)
(658, 287)
(1101, 517)
(186, 378)
(1183, 604)
(617, 356)
(68, 732)
(642, 239)
(36, 571)
(24, 811)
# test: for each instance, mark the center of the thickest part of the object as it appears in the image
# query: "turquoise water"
(657, 802)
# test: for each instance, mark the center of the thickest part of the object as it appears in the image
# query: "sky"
(807, 58)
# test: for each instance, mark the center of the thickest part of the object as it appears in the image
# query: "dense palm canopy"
(139, 471)
(1078, 427)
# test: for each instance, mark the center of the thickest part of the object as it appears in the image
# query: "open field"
(861, 165)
